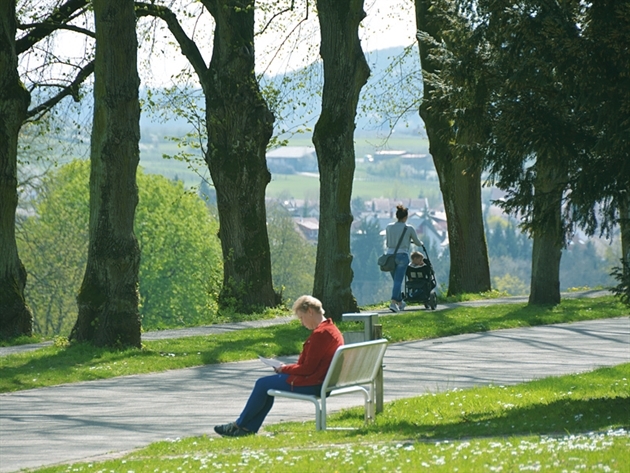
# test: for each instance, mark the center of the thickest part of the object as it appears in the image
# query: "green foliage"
(511, 285)
(622, 276)
(53, 246)
(180, 268)
(582, 265)
(505, 239)
(509, 250)
(181, 265)
(292, 257)
(369, 284)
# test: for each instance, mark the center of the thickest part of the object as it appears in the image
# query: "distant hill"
(387, 100)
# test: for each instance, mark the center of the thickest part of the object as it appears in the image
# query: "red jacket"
(317, 353)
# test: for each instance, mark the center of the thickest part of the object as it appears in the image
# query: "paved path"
(229, 327)
(94, 419)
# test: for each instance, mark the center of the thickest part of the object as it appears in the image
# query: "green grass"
(298, 186)
(59, 364)
(21, 340)
(571, 423)
(365, 185)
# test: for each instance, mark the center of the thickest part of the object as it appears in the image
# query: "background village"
(431, 223)
(586, 262)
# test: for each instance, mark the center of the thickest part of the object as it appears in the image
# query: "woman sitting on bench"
(304, 377)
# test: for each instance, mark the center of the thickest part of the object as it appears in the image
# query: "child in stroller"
(420, 281)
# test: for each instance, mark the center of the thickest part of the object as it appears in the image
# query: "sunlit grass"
(492, 294)
(21, 340)
(571, 423)
(59, 364)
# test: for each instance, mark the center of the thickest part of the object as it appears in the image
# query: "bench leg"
(370, 406)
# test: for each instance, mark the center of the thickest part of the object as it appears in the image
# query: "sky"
(388, 23)
(287, 45)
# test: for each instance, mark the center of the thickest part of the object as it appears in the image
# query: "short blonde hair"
(416, 255)
(304, 303)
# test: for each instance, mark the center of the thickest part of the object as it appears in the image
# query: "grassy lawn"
(561, 424)
(59, 364)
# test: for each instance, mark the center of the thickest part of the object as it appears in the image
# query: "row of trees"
(497, 95)
(180, 270)
(537, 93)
(238, 125)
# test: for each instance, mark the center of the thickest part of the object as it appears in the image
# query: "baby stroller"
(420, 284)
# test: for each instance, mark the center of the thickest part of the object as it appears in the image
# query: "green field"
(290, 186)
(307, 187)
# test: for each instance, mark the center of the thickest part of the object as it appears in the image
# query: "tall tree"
(108, 298)
(601, 195)
(239, 126)
(345, 72)
(538, 126)
(460, 179)
(15, 315)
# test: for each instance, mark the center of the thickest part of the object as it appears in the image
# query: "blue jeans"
(398, 275)
(260, 403)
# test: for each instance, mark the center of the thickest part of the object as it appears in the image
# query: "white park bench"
(354, 368)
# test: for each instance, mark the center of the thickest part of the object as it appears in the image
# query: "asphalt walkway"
(95, 420)
(229, 327)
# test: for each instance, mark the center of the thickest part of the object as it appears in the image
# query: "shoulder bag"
(387, 262)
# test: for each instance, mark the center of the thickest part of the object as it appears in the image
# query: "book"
(270, 361)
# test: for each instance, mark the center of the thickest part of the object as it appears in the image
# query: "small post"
(378, 382)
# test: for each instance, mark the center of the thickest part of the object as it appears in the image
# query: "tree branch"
(275, 15)
(72, 89)
(188, 46)
(55, 21)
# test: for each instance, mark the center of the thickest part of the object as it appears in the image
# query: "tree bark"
(239, 125)
(15, 315)
(459, 182)
(345, 73)
(547, 234)
(461, 193)
(624, 225)
(108, 298)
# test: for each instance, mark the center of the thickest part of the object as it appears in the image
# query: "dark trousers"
(260, 403)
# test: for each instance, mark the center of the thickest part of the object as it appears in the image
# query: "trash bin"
(369, 319)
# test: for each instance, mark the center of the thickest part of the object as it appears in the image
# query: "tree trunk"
(548, 235)
(239, 126)
(461, 191)
(624, 225)
(345, 73)
(459, 183)
(15, 316)
(108, 298)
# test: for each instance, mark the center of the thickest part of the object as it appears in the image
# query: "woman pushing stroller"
(399, 236)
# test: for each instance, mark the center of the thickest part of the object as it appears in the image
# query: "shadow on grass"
(83, 361)
(559, 417)
(464, 320)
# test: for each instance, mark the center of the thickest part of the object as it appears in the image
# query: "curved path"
(97, 419)
(229, 327)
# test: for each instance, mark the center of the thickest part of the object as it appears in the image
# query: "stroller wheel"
(433, 301)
